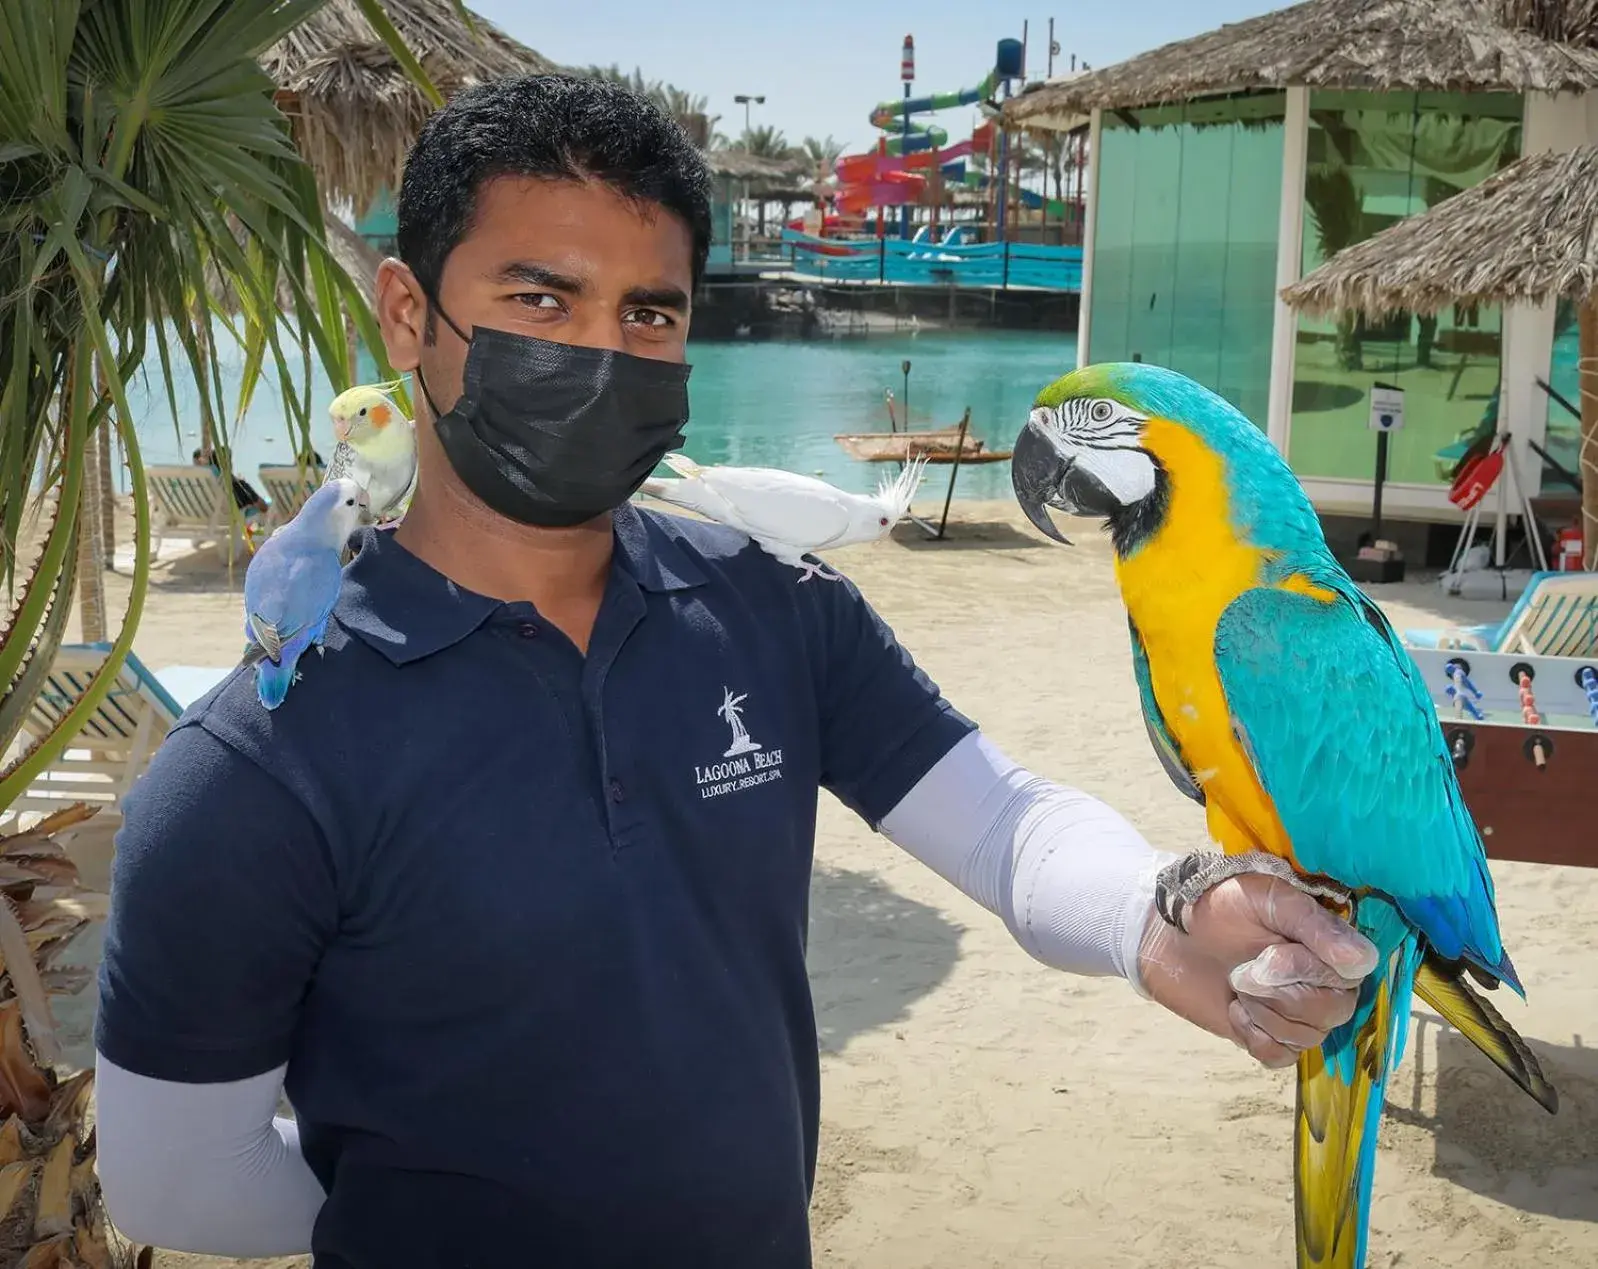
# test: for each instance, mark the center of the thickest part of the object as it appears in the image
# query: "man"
(510, 894)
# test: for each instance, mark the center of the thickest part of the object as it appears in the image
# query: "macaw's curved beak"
(1037, 472)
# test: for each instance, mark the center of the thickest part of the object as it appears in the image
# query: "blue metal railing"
(893, 260)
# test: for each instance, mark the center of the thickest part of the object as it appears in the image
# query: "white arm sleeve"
(1071, 878)
(203, 1167)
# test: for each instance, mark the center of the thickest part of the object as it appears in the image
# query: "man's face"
(560, 260)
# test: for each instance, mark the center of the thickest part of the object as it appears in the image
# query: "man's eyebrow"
(538, 275)
(669, 297)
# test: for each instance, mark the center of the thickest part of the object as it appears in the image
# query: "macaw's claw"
(1180, 884)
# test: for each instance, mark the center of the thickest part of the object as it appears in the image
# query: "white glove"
(1259, 961)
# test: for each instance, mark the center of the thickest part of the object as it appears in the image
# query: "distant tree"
(690, 110)
(822, 153)
(765, 142)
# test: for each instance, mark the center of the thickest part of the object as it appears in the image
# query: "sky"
(823, 64)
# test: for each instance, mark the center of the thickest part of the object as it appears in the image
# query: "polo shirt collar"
(406, 609)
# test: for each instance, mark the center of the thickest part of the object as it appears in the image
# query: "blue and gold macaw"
(1278, 697)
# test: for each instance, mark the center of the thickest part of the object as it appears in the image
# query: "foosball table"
(1523, 735)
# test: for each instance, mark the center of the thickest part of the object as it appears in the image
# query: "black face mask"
(555, 434)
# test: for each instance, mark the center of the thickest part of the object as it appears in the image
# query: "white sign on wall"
(1387, 409)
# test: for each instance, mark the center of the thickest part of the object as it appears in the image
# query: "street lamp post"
(745, 100)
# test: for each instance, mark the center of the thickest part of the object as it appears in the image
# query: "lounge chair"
(286, 488)
(116, 741)
(192, 502)
(1555, 616)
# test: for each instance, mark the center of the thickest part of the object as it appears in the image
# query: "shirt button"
(528, 630)
(617, 793)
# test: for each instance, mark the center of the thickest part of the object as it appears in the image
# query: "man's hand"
(1263, 964)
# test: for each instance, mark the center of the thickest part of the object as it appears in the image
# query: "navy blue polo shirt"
(527, 927)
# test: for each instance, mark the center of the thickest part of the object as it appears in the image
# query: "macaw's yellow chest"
(1176, 585)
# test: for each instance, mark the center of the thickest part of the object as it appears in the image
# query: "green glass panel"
(1563, 442)
(1185, 252)
(1373, 160)
(1112, 255)
(1154, 226)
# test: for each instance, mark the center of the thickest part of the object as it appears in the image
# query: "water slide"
(1030, 199)
(889, 116)
(853, 169)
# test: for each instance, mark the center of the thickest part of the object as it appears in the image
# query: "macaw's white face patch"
(1105, 440)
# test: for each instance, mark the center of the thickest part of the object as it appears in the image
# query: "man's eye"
(648, 317)
(537, 299)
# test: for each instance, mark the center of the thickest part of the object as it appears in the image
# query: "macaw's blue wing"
(1348, 745)
(1165, 746)
(1346, 742)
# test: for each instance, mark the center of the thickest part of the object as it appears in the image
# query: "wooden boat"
(937, 445)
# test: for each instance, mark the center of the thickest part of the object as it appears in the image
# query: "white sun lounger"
(1555, 616)
(192, 502)
(287, 487)
(116, 742)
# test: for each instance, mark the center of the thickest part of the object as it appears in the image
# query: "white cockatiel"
(788, 515)
(376, 449)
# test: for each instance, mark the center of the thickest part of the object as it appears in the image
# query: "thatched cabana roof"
(1528, 234)
(743, 166)
(354, 110)
(1374, 45)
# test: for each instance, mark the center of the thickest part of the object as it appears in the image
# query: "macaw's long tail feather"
(657, 488)
(1341, 1087)
(1442, 986)
(682, 465)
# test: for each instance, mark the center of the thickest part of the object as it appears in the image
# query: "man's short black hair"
(559, 127)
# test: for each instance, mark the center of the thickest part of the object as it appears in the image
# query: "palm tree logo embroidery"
(732, 710)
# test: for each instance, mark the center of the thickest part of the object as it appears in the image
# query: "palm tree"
(764, 142)
(821, 153)
(152, 203)
(690, 110)
(50, 1210)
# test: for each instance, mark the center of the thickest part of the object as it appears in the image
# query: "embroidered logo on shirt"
(746, 763)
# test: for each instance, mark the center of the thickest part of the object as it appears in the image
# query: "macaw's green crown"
(1156, 392)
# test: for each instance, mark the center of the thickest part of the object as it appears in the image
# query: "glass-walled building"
(1184, 272)
(1219, 176)
(1372, 160)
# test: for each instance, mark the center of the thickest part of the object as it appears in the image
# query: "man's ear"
(401, 314)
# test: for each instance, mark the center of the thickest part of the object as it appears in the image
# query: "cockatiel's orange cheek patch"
(380, 415)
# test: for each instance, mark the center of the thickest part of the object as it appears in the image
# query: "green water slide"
(889, 116)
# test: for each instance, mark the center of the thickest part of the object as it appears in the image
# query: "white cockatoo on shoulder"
(376, 449)
(788, 515)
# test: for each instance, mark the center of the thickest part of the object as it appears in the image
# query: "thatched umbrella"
(354, 109)
(1376, 45)
(740, 165)
(1527, 235)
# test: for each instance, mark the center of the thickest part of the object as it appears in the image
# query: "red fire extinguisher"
(1568, 549)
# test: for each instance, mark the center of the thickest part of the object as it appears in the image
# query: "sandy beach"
(980, 1110)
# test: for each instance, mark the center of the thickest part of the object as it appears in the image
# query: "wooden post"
(91, 550)
(1588, 337)
(108, 497)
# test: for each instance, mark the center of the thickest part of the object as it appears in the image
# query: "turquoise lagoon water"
(754, 403)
